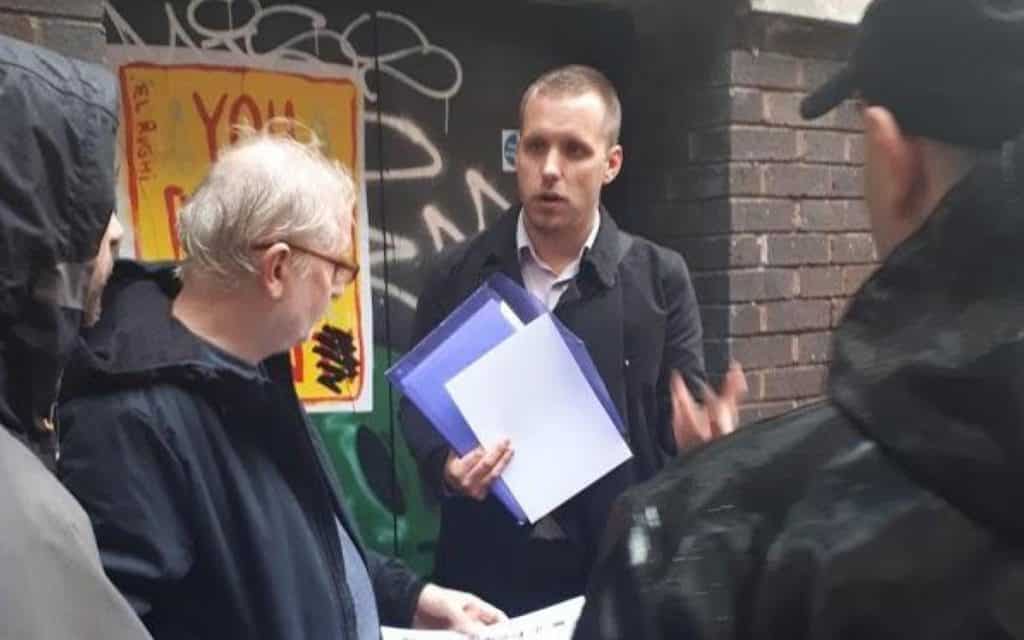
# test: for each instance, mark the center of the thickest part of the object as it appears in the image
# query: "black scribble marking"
(338, 363)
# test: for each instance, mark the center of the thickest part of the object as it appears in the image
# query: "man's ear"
(615, 157)
(273, 266)
(896, 162)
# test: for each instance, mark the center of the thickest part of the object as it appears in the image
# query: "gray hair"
(267, 187)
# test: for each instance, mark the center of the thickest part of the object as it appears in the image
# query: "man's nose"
(551, 168)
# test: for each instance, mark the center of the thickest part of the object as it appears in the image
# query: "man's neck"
(221, 317)
(559, 249)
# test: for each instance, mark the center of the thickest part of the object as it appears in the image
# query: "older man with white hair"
(215, 507)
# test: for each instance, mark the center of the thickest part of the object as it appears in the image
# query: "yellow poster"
(175, 116)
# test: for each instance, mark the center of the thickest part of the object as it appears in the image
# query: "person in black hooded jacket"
(57, 241)
(215, 505)
(892, 510)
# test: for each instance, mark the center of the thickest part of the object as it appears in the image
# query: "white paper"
(530, 390)
(553, 623)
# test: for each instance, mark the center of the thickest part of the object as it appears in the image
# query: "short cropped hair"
(266, 187)
(576, 80)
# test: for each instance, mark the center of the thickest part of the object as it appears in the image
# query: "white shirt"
(540, 279)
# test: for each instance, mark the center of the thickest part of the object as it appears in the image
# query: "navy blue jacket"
(213, 501)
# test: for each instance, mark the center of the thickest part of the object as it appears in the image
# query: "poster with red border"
(177, 112)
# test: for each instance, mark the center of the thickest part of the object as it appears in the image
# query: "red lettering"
(174, 197)
(298, 360)
(244, 102)
(289, 113)
(210, 122)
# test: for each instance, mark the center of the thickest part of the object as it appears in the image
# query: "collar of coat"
(602, 259)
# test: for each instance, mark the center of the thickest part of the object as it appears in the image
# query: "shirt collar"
(525, 247)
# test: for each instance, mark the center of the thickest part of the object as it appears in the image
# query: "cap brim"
(829, 95)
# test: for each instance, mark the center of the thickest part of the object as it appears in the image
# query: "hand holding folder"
(502, 366)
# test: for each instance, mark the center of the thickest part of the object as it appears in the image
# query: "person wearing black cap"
(892, 509)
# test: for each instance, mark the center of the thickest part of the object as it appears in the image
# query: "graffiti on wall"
(440, 85)
(275, 41)
(247, 28)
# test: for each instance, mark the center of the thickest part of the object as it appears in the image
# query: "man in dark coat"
(215, 506)
(630, 301)
(892, 510)
(57, 241)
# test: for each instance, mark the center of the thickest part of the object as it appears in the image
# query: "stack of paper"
(553, 623)
(502, 366)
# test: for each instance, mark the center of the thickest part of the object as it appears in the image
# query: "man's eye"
(575, 150)
(533, 146)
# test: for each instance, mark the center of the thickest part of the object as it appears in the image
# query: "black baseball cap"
(950, 70)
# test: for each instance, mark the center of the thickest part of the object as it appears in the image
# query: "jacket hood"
(138, 340)
(57, 137)
(929, 360)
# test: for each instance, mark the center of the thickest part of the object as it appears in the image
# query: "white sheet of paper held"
(531, 390)
(556, 622)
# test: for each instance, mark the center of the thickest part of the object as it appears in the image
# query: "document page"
(553, 623)
(531, 390)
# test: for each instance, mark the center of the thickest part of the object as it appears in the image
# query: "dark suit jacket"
(633, 306)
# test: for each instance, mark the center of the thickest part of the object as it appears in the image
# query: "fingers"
(473, 474)
(689, 422)
(734, 386)
(484, 612)
(725, 406)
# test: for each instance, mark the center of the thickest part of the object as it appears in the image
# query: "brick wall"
(764, 206)
(72, 27)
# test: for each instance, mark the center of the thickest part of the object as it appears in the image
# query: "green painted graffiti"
(360, 447)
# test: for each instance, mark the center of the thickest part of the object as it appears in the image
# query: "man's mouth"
(550, 198)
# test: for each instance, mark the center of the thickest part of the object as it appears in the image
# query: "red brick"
(714, 181)
(821, 282)
(762, 143)
(814, 348)
(762, 352)
(757, 69)
(726, 105)
(757, 411)
(721, 321)
(855, 148)
(822, 215)
(746, 285)
(854, 277)
(857, 217)
(762, 214)
(838, 310)
(817, 72)
(823, 146)
(793, 382)
(797, 249)
(853, 248)
(705, 217)
(797, 181)
(721, 252)
(797, 315)
(846, 182)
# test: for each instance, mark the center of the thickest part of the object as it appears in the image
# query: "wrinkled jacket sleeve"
(684, 342)
(125, 472)
(396, 587)
(51, 581)
(427, 446)
(651, 584)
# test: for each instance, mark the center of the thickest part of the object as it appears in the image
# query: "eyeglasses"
(342, 265)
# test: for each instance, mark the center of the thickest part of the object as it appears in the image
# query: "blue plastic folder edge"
(431, 397)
